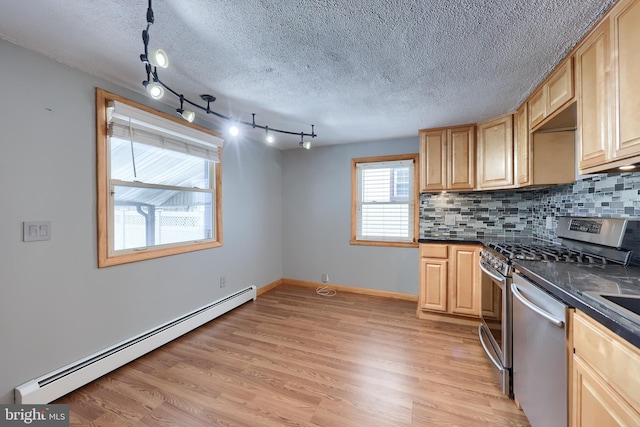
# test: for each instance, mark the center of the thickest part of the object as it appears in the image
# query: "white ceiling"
(358, 70)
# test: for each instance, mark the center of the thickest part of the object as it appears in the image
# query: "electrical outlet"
(223, 281)
(549, 223)
(450, 219)
(324, 277)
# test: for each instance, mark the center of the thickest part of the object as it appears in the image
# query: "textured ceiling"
(357, 70)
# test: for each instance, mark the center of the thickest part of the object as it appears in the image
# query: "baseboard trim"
(268, 287)
(354, 290)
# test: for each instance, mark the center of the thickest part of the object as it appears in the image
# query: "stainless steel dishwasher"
(539, 354)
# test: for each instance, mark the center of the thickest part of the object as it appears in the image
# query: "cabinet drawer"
(434, 251)
(613, 357)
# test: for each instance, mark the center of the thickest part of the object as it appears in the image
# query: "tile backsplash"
(481, 214)
(523, 213)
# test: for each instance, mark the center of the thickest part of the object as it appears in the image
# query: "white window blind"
(385, 201)
(132, 124)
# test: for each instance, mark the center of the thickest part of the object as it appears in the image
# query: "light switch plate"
(33, 231)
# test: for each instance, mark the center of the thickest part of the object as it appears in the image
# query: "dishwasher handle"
(534, 308)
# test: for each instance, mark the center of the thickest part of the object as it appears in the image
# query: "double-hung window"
(385, 200)
(158, 183)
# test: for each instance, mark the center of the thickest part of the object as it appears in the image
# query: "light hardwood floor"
(294, 358)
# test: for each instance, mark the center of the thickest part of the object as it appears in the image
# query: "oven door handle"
(491, 274)
(486, 349)
(534, 308)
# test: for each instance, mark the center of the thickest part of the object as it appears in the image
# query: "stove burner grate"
(546, 253)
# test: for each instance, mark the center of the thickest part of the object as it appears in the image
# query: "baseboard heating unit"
(56, 384)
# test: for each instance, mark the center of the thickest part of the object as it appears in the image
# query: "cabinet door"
(433, 284)
(559, 87)
(523, 147)
(433, 160)
(625, 23)
(464, 280)
(592, 66)
(537, 108)
(461, 154)
(495, 153)
(595, 403)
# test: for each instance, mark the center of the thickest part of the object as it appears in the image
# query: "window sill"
(382, 243)
(155, 253)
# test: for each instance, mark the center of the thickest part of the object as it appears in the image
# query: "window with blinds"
(385, 199)
(159, 187)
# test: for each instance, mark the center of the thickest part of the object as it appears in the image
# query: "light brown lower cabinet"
(605, 377)
(449, 279)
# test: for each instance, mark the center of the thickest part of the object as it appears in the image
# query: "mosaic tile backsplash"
(523, 213)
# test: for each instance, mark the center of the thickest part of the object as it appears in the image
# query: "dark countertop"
(475, 239)
(445, 238)
(569, 282)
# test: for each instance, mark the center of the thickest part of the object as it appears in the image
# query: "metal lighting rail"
(152, 76)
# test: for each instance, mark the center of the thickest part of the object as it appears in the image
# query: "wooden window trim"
(106, 260)
(416, 198)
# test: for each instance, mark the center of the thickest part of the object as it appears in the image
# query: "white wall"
(56, 306)
(317, 221)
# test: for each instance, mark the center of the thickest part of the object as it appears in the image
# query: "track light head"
(158, 58)
(303, 143)
(268, 135)
(155, 90)
(186, 114)
(233, 130)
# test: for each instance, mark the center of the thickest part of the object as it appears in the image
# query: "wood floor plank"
(294, 358)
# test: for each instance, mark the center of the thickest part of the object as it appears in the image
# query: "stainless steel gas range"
(596, 241)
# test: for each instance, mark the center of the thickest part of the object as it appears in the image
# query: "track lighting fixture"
(268, 137)
(303, 143)
(186, 114)
(154, 90)
(155, 87)
(158, 58)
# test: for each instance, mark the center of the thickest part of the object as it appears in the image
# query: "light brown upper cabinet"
(592, 68)
(447, 158)
(625, 35)
(554, 93)
(608, 84)
(495, 153)
(523, 149)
